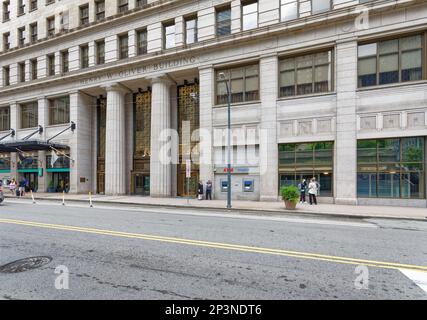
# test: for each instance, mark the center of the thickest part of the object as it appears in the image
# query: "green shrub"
(290, 193)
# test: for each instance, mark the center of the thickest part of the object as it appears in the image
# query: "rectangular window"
(21, 7)
(249, 15)
(100, 10)
(243, 83)
(390, 61)
(33, 32)
(123, 46)
(391, 168)
(84, 15)
(141, 39)
(191, 30)
(6, 10)
(306, 74)
(33, 5)
(51, 65)
(33, 64)
(59, 110)
(169, 35)
(288, 10)
(6, 41)
(123, 6)
(140, 3)
(21, 36)
(84, 56)
(65, 61)
(21, 71)
(223, 21)
(100, 52)
(6, 76)
(29, 115)
(306, 161)
(4, 118)
(50, 25)
(318, 6)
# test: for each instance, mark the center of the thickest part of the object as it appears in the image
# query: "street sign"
(188, 168)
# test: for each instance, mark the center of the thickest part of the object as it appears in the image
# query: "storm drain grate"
(25, 264)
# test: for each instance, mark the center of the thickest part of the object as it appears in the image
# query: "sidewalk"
(239, 205)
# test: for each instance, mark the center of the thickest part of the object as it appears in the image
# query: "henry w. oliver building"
(338, 87)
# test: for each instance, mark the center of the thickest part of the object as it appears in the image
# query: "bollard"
(63, 198)
(32, 197)
(90, 199)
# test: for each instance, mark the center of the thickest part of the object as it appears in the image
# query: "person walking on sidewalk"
(22, 185)
(12, 187)
(312, 191)
(209, 190)
(302, 187)
(200, 190)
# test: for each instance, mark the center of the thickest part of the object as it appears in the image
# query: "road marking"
(219, 245)
(194, 212)
(418, 277)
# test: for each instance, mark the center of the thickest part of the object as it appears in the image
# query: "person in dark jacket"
(209, 190)
(200, 190)
(302, 187)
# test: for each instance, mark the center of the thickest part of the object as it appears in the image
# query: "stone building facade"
(335, 90)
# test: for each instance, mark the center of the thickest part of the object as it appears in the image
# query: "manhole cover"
(25, 264)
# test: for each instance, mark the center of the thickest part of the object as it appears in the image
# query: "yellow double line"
(224, 246)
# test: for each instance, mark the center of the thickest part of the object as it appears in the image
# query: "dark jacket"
(200, 189)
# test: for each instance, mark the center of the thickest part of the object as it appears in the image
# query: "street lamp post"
(222, 75)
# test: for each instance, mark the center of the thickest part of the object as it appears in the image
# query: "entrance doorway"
(32, 181)
(192, 184)
(101, 129)
(141, 185)
(61, 181)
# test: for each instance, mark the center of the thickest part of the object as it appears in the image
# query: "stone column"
(346, 127)
(160, 167)
(268, 147)
(206, 79)
(115, 148)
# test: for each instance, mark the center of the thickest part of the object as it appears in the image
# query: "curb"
(235, 210)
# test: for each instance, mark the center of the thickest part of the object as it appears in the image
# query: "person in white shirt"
(312, 191)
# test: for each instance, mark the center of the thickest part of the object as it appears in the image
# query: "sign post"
(188, 176)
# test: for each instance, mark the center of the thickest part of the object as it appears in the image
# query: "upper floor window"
(49, 1)
(223, 21)
(21, 36)
(50, 26)
(33, 32)
(4, 118)
(123, 5)
(84, 56)
(6, 41)
(100, 52)
(59, 110)
(84, 15)
(318, 6)
(288, 10)
(6, 76)
(140, 3)
(141, 41)
(33, 5)
(249, 15)
(123, 46)
(29, 115)
(65, 61)
(243, 83)
(100, 10)
(191, 30)
(390, 61)
(6, 10)
(306, 74)
(21, 71)
(51, 65)
(21, 7)
(169, 35)
(33, 70)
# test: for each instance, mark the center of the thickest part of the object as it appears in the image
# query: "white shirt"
(312, 188)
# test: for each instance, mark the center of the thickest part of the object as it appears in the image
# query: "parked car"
(1, 193)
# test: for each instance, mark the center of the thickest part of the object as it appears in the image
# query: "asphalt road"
(133, 253)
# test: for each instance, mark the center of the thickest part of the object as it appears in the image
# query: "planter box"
(290, 205)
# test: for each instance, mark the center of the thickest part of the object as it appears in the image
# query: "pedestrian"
(302, 187)
(12, 187)
(209, 190)
(312, 191)
(22, 185)
(200, 190)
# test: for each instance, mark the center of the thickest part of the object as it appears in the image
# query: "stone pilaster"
(346, 127)
(160, 166)
(115, 148)
(268, 147)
